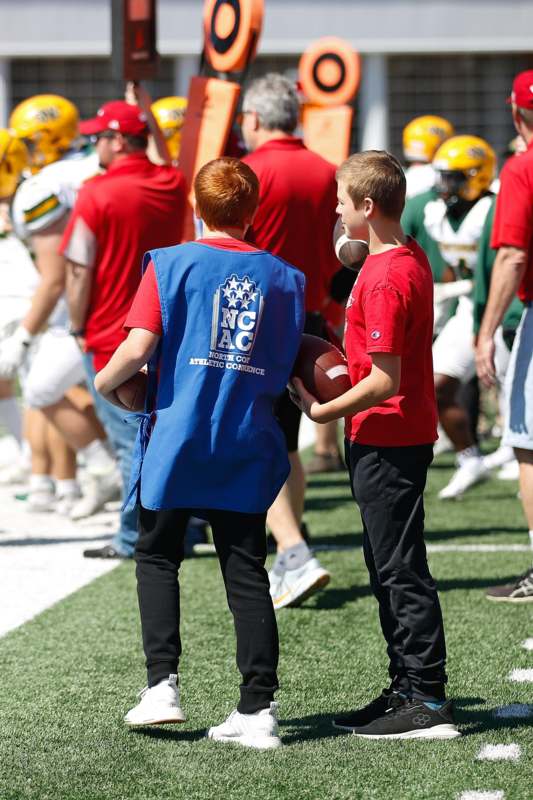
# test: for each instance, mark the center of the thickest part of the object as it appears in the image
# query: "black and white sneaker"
(411, 719)
(520, 591)
(363, 716)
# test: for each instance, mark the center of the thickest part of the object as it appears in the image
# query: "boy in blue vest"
(219, 323)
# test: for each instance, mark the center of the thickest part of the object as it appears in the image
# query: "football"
(322, 368)
(350, 252)
(132, 393)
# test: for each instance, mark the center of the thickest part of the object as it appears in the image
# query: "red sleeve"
(513, 218)
(145, 311)
(385, 320)
(85, 210)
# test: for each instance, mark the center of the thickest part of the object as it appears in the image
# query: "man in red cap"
(512, 236)
(135, 206)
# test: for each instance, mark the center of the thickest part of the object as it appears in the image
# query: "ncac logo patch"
(237, 309)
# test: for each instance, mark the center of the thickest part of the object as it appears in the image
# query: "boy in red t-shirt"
(391, 420)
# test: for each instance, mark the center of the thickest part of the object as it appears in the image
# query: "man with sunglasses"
(135, 206)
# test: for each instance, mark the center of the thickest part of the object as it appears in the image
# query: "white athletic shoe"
(15, 473)
(296, 585)
(499, 457)
(97, 492)
(274, 580)
(41, 494)
(509, 471)
(259, 730)
(66, 501)
(159, 705)
(472, 471)
(443, 444)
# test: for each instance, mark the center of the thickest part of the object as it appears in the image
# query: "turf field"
(70, 674)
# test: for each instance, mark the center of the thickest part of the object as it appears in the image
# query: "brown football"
(132, 393)
(322, 368)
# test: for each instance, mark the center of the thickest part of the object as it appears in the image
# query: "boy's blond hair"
(378, 175)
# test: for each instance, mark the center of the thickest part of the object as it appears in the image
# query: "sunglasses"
(103, 135)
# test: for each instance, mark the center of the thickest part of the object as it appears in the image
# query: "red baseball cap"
(116, 116)
(522, 93)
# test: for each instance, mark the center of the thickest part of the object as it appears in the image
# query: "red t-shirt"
(134, 207)
(390, 310)
(513, 218)
(145, 311)
(296, 214)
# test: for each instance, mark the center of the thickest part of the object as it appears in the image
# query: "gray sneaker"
(521, 591)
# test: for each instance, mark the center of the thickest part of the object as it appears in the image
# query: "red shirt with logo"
(390, 310)
(134, 207)
(513, 217)
(145, 311)
(296, 214)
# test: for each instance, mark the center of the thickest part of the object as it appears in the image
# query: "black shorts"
(286, 412)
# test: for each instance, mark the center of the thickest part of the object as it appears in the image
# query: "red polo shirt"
(513, 218)
(134, 207)
(390, 310)
(296, 214)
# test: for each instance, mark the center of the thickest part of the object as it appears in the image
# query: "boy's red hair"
(227, 193)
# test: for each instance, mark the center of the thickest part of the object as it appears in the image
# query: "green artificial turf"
(71, 674)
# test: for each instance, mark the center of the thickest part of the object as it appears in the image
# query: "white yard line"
(41, 559)
(513, 711)
(499, 752)
(521, 676)
(497, 795)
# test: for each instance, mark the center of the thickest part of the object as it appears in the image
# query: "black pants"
(240, 542)
(388, 486)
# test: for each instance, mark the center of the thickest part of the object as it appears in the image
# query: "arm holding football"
(125, 362)
(382, 382)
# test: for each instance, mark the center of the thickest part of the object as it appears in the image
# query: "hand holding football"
(322, 368)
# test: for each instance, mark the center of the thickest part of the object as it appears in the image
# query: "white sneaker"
(259, 730)
(499, 457)
(65, 502)
(17, 473)
(296, 585)
(274, 580)
(41, 494)
(509, 471)
(443, 444)
(97, 492)
(472, 471)
(159, 705)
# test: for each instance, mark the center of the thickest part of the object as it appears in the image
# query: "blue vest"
(232, 323)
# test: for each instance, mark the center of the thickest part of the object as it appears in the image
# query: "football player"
(465, 167)
(421, 139)
(41, 345)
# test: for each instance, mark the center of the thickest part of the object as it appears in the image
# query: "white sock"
(67, 487)
(11, 417)
(41, 483)
(97, 458)
(468, 452)
(531, 539)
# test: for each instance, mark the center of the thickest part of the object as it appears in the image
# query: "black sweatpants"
(240, 542)
(388, 486)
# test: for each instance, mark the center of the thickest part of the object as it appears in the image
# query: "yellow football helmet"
(170, 114)
(423, 135)
(14, 158)
(466, 166)
(48, 123)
